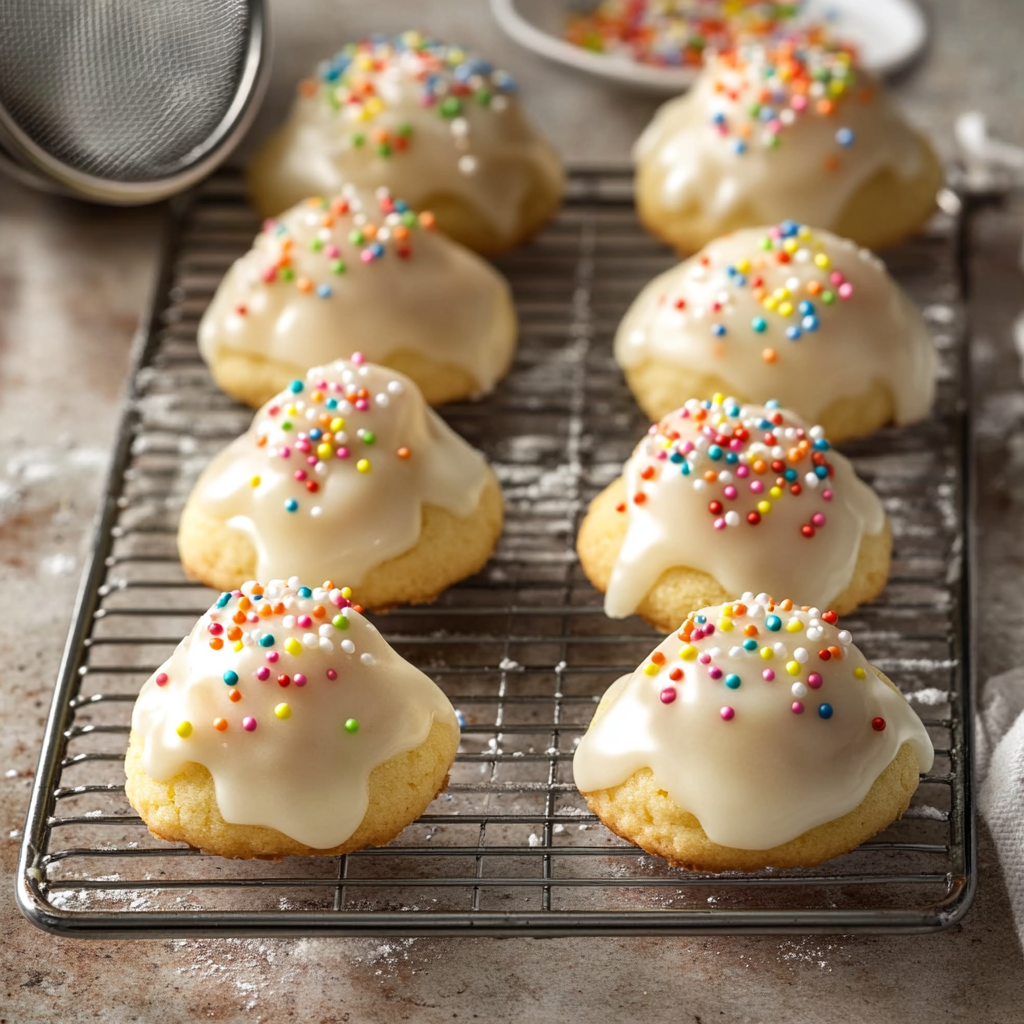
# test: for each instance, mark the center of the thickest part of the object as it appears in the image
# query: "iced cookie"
(718, 498)
(785, 312)
(757, 736)
(784, 130)
(363, 272)
(346, 473)
(426, 120)
(284, 724)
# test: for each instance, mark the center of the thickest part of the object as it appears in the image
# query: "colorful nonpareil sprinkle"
(792, 275)
(744, 460)
(317, 428)
(278, 623)
(675, 33)
(373, 88)
(709, 657)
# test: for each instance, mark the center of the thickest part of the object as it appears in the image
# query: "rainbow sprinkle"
(744, 460)
(355, 86)
(321, 427)
(749, 619)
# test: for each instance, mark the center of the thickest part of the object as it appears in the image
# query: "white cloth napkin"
(1000, 768)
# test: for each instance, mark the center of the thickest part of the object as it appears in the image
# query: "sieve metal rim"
(30, 164)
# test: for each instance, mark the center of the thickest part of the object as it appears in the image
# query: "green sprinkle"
(338, 266)
(358, 140)
(356, 237)
(369, 437)
(316, 245)
(828, 297)
(405, 130)
(409, 219)
(287, 425)
(384, 149)
(287, 273)
(450, 107)
(339, 622)
(483, 97)
(351, 725)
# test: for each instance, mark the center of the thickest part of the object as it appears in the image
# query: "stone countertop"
(73, 280)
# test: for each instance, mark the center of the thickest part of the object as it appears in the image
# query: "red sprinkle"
(878, 724)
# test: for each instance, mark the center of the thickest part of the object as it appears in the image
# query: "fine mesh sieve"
(126, 101)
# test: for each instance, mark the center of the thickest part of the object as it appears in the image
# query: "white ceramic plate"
(888, 35)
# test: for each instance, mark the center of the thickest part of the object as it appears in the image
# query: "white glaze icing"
(361, 273)
(450, 124)
(342, 501)
(810, 510)
(749, 136)
(729, 310)
(298, 769)
(725, 741)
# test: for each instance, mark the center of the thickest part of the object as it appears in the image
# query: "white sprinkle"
(315, 511)
(366, 659)
(845, 637)
(348, 647)
(288, 622)
(310, 640)
(468, 163)
(801, 655)
(798, 690)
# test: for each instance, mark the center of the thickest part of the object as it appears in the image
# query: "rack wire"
(523, 649)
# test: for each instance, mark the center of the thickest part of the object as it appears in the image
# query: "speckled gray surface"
(72, 281)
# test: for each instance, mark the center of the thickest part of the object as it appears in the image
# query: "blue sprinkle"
(759, 324)
(772, 403)
(331, 403)
(230, 677)
(793, 333)
(733, 682)
(315, 434)
(732, 458)
(845, 136)
(324, 291)
(223, 600)
(821, 472)
(822, 445)
(790, 475)
(685, 469)
(505, 82)
(774, 623)
(305, 592)
(702, 619)
(731, 271)
(291, 505)
(789, 228)
(401, 206)
(267, 641)
(766, 114)
(714, 452)
(732, 410)
(741, 281)
(739, 147)
(295, 387)
(718, 118)
(718, 330)
(809, 323)
(750, 644)
(806, 308)
(377, 249)
(676, 458)
(824, 710)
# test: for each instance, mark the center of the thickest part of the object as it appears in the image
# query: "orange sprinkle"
(319, 612)
(739, 608)
(639, 498)
(307, 87)
(769, 355)
(825, 107)
(831, 163)
(711, 476)
(786, 605)
(260, 443)
(400, 232)
(216, 643)
(220, 724)
(234, 633)
(647, 472)
(427, 219)
(279, 608)
(304, 285)
(760, 466)
(621, 507)
(403, 453)
(235, 695)
(358, 608)
(327, 221)
(750, 630)
(658, 658)
(238, 617)
(266, 611)
(339, 206)
(257, 591)
(244, 604)
(836, 652)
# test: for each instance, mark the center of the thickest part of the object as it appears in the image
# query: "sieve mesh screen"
(118, 89)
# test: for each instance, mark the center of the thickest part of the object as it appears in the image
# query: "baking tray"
(523, 649)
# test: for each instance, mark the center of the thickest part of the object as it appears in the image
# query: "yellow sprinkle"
(836, 87)
(651, 669)
(822, 261)
(184, 730)
(793, 668)
(363, 465)
(283, 711)
(325, 451)
(764, 507)
(775, 492)
(292, 411)
(725, 625)
(790, 245)
(239, 645)
(255, 481)
(318, 396)
(719, 398)
(292, 646)
(859, 673)
(374, 106)
(794, 626)
(727, 609)
(770, 303)
(804, 232)
(743, 266)
(781, 293)
(786, 309)
(688, 653)
(338, 423)
(346, 592)
(767, 653)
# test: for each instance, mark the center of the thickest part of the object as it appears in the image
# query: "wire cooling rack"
(523, 649)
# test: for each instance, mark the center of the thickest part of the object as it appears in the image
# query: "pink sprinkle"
(662, 455)
(273, 410)
(727, 714)
(362, 405)
(303, 445)
(252, 617)
(263, 673)
(285, 452)
(796, 707)
(668, 695)
(705, 659)
(743, 472)
(304, 621)
(216, 629)
(311, 461)
(236, 593)
(756, 486)
(366, 256)
(321, 385)
(827, 495)
(688, 447)
(709, 629)
(814, 680)
(335, 386)
(269, 275)
(735, 444)
(768, 675)
(719, 523)
(249, 724)
(715, 672)
(299, 679)
(332, 252)
(730, 492)
(358, 358)
(331, 674)
(300, 474)
(342, 452)
(818, 519)
(798, 102)
(836, 277)
(272, 656)
(774, 125)
(161, 679)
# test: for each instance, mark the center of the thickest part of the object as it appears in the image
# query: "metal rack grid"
(523, 650)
